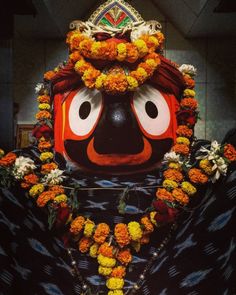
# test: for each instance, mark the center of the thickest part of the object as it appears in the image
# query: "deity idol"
(138, 202)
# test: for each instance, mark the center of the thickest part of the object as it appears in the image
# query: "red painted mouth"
(119, 159)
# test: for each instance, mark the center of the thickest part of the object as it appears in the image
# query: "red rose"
(42, 130)
(63, 214)
(186, 117)
(165, 214)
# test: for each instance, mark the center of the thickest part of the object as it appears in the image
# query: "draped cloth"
(200, 258)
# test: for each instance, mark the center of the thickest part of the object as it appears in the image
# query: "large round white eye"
(152, 110)
(84, 111)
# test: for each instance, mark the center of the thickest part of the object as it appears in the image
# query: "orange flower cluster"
(146, 222)
(43, 98)
(48, 167)
(173, 174)
(44, 145)
(116, 83)
(29, 180)
(45, 197)
(183, 130)
(124, 256)
(182, 149)
(189, 103)
(57, 189)
(180, 196)
(42, 115)
(8, 159)
(49, 75)
(230, 152)
(106, 250)
(196, 176)
(101, 233)
(77, 225)
(84, 244)
(189, 81)
(122, 234)
(164, 195)
(118, 272)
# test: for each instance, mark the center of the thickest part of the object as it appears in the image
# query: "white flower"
(54, 177)
(171, 157)
(188, 69)
(39, 88)
(219, 167)
(22, 166)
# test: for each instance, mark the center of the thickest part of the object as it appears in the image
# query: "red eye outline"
(68, 132)
(169, 131)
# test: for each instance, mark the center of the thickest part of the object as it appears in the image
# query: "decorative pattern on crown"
(115, 13)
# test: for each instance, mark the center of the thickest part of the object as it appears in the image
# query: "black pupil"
(84, 110)
(151, 109)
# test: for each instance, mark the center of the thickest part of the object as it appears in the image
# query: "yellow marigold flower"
(170, 184)
(115, 283)
(189, 93)
(46, 156)
(100, 81)
(106, 261)
(81, 66)
(133, 83)
(154, 40)
(44, 106)
(135, 230)
(105, 271)
(96, 46)
(36, 190)
(142, 72)
(93, 250)
(141, 46)
(60, 198)
(77, 225)
(88, 228)
(152, 63)
(206, 166)
(188, 188)
(152, 217)
(121, 50)
(116, 292)
(174, 165)
(183, 140)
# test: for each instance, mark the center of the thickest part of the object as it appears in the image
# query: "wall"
(214, 58)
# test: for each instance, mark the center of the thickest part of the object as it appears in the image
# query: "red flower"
(42, 131)
(165, 214)
(63, 214)
(186, 117)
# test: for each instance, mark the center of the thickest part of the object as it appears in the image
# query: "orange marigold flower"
(180, 196)
(75, 56)
(44, 198)
(183, 130)
(84, 244)
(101, 233)
(189, 102)
(160, 37)
(31, 178)
(124, 256)
(173, 174)
(49, 75)
(164, 195)
(111, 50)
(8, 159)
(181, 149)
(43, 115)
(57, 189)
(122, 234)
(230, 152)
(154, 56)
(196, 176)
(43, 99)
(106, 250)
(189, 81)
(25, 185)
(89, 77)
(77, 225)
(85, 47)
(46, 168)
(147, 68)
(118, 272)
(132, 53)
(75, 39)
(116, 83)
(147, 224)
(44, 145)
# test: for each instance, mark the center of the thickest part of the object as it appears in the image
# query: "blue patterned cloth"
(199, 259)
